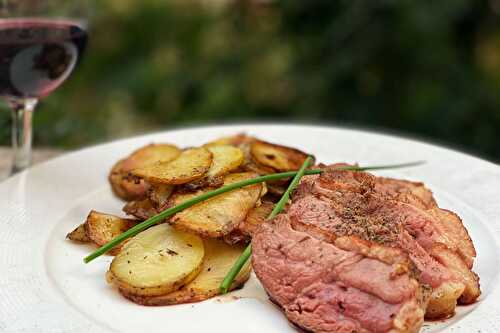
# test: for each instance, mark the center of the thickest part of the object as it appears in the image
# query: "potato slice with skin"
(257, 168)
(127, 187)
(218, 216)
(225, 159)
(157, 261)
(159, 194)
(276, 190)
(249, 164)
(191, 164)
(181, 196)
(101, 228)
(252, 166)
(278, 157)
(78, 235)
(134, 188)
(219, 258)
(142, 209)
(151, 154)
(256, 217)
(234, 140)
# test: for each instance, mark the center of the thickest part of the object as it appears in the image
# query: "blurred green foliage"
(430, 68)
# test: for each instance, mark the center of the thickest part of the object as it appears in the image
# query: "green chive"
(171, 211)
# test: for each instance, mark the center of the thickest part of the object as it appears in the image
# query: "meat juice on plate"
(37, 55)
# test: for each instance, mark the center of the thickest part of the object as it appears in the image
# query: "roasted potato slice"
(151, 154)
(180, 196)
(256, 217)
(142, 209)
(234, 140)
(157, 261)
(219, 215)
(191, 164)
(249, 164)
(131, 188)
(252, 166)
(225, 159)
(126, 186)
(276, 190)
(159, 194)
(277, 157)
(101, 228)
(78, 235)
(219, 258)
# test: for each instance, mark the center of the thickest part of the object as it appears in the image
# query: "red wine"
(37, 55)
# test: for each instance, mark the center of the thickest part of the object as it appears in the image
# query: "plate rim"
(389, 133)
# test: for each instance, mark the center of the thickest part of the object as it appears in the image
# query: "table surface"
(39, 155)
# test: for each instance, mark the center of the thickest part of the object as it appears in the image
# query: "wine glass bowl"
(37, 55)
(41, 42)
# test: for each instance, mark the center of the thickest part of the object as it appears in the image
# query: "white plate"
(45, 287)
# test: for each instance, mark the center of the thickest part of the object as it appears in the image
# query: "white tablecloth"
(39, 155)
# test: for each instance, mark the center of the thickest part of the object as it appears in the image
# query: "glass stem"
(22, 114)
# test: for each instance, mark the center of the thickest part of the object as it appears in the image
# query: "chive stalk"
(202, 197)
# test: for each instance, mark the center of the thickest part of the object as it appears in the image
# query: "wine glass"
(41, 42)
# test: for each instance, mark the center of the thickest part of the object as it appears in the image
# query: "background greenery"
(429, 68)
